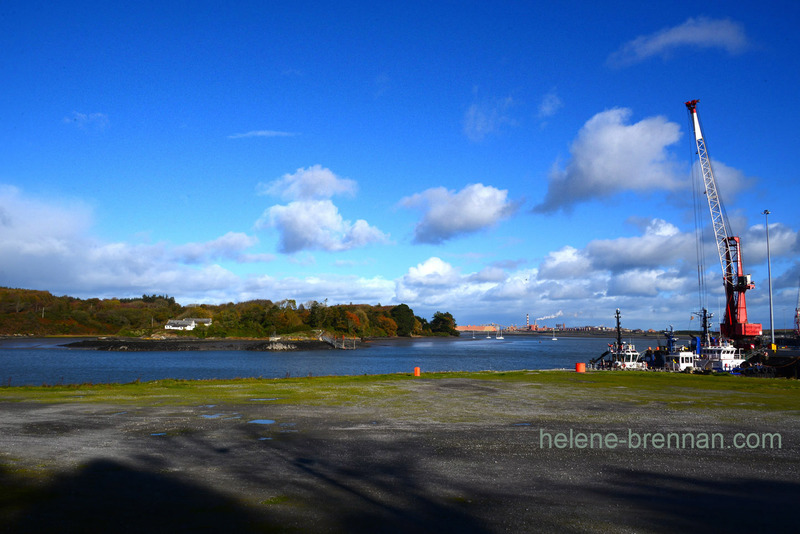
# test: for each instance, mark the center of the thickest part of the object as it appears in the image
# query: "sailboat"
(554, 335)
(499, 334)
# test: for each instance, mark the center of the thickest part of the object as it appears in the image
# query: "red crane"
(734, 325)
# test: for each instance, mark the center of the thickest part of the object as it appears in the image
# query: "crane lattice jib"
(735, 323)
(726, 252)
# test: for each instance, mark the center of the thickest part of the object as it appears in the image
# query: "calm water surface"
(35, 362)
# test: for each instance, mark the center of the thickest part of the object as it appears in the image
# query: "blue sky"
(491, 159)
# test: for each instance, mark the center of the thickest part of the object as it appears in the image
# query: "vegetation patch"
(676, 391)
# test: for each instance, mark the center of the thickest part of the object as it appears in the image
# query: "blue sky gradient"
(491, 159)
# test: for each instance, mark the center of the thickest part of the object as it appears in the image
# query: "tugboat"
(620, 355)
(670, 356)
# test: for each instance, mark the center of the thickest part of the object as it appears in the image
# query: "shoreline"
(169, 345)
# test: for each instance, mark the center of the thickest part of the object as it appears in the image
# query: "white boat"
(670, 356)
(625, 357)
(554, 335)
(720, 357)
(680, 361)
(499, 334)
(620, 355)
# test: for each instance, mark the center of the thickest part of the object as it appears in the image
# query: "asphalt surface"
(456, 455)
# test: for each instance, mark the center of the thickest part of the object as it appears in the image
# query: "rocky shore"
(138, 345)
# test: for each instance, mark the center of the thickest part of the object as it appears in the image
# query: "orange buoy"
(416, 371)
(580, 367)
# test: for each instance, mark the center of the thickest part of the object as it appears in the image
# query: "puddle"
(222, 416)
(119, 413)
(522, 424)
(159, 434)
(264, 439)
(263, 421)
(207, 406)
(215, 416)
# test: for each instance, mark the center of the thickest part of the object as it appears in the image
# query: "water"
(36, 362)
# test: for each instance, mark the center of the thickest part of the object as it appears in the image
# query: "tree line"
(34, 312)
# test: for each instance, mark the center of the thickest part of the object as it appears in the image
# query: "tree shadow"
(108, 496)
(720, 502)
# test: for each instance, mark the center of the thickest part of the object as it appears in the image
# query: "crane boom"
(734, 325)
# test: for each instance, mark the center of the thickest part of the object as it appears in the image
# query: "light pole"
(769, 277)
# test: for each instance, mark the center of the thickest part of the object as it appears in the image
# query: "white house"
(186, 324)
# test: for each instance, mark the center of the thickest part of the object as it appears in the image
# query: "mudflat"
(525, 451)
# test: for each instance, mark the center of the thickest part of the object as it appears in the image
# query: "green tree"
(444, 323)
(404, 317)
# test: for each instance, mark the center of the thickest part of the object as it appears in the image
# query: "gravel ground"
(454, 455)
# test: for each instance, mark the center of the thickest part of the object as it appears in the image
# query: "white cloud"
(47, 244)
(486, 118)
(317, 224)
(610, 156)
(549, 105)
(432, 272)
(86, 120)
(637, 283)
(784, 243)
(567, 262)
(730, 181)
(449, 214)
(700, 32)
(660, 239)
(315, 182)
(230, 246)
(311, 220)
(261, 133)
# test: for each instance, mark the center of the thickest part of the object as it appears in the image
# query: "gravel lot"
(445, 455)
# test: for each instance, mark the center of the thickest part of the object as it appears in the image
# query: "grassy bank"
(676, 391)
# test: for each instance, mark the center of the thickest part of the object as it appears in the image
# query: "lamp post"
(769, 276)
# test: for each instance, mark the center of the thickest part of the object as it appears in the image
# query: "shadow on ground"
(376, 481)
(107, 496)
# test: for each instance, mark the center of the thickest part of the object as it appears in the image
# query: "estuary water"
(46, 361)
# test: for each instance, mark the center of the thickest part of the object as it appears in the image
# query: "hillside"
(39, 313)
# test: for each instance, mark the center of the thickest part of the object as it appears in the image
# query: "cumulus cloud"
(261, 133)
(660, 239)
(47, 244)
(448, 214)
(783, 243)
(609, 155)
(312, 221)
(486, 118)
(230, 246)
(313, 183)
(699, 32)
(432, 272)
(730, 181)
(317, 224)
(661, 243)
(567, 262)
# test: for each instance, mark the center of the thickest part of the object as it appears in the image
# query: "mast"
(734, 325)
(797, 315)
